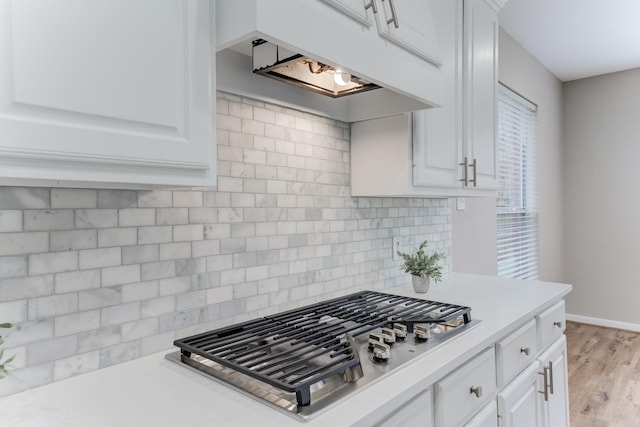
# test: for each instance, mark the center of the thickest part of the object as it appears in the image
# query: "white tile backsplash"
(13, 266)
(45, 220)
(23, 243)
(95, 277)
(10, 220)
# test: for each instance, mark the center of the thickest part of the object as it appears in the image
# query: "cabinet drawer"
(551, 324)
(515, 352)
(460, 394)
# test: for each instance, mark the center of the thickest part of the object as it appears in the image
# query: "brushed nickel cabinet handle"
(372, 6)
(394, 16)
(465, 175)
(545, 391)
(475, 179)
(525, 350)
(477, 390)
(550, 376)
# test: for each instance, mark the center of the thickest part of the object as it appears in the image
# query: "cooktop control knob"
(381, 352)
(422, 332)
(400, 330)
(373, 339)
(388, 335)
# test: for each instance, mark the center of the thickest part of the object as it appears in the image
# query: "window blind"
(517, 204)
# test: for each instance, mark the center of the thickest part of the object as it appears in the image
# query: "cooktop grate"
(295, 349)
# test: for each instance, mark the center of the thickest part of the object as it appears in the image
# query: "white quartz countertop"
(152, 391)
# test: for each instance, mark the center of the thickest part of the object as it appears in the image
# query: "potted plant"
(422, 267)
(4, 364)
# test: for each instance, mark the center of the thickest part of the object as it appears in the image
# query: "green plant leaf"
(3, 365)
(421, 264)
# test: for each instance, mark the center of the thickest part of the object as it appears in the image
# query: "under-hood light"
(342, 78)
(282, 64)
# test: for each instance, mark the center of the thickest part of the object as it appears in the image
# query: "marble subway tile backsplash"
(95, 277)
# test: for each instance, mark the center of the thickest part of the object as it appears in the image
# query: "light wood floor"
(604, 376)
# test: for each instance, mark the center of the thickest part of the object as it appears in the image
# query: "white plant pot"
(421, 284)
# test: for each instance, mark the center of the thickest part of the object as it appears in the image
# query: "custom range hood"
(339, 68)
(279, 63)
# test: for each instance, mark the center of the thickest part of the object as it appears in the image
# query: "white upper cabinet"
(355, 9)
(111, 92)
(406, 23)
(419, 152)
(437, 135)
(452, 148)
(410, 24)
(480, 85)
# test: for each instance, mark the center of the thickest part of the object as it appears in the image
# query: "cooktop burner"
(305, 359)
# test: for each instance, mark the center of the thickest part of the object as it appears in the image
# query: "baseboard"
(604, 322)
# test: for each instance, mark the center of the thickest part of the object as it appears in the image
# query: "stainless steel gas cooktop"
(302, 361)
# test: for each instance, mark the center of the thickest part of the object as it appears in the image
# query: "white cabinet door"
(437, 131)
(555, 404)
(480, 82)
(108, 91)
(355, 9)
(410, 24)
(518, 403)
(435, 149)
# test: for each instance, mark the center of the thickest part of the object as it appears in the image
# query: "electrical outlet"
(461, 203)
(395, 247)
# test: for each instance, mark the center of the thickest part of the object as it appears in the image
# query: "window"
(517, 203)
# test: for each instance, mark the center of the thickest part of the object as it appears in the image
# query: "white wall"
(474, 229)
(602, 160)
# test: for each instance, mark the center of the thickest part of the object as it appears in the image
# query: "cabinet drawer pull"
(558, 324)
(550, 377)
(372, 6)
(525, 350)
(477, 390)
(394, 16)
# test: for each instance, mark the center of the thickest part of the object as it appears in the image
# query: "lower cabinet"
(518, 403)
(487, 417)
(539, 396)
(554, 405)
(520, 382)
(513, 383)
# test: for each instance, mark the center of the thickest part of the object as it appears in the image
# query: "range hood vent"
(274, 61)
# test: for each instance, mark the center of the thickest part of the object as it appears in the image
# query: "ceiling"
(576, 38)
